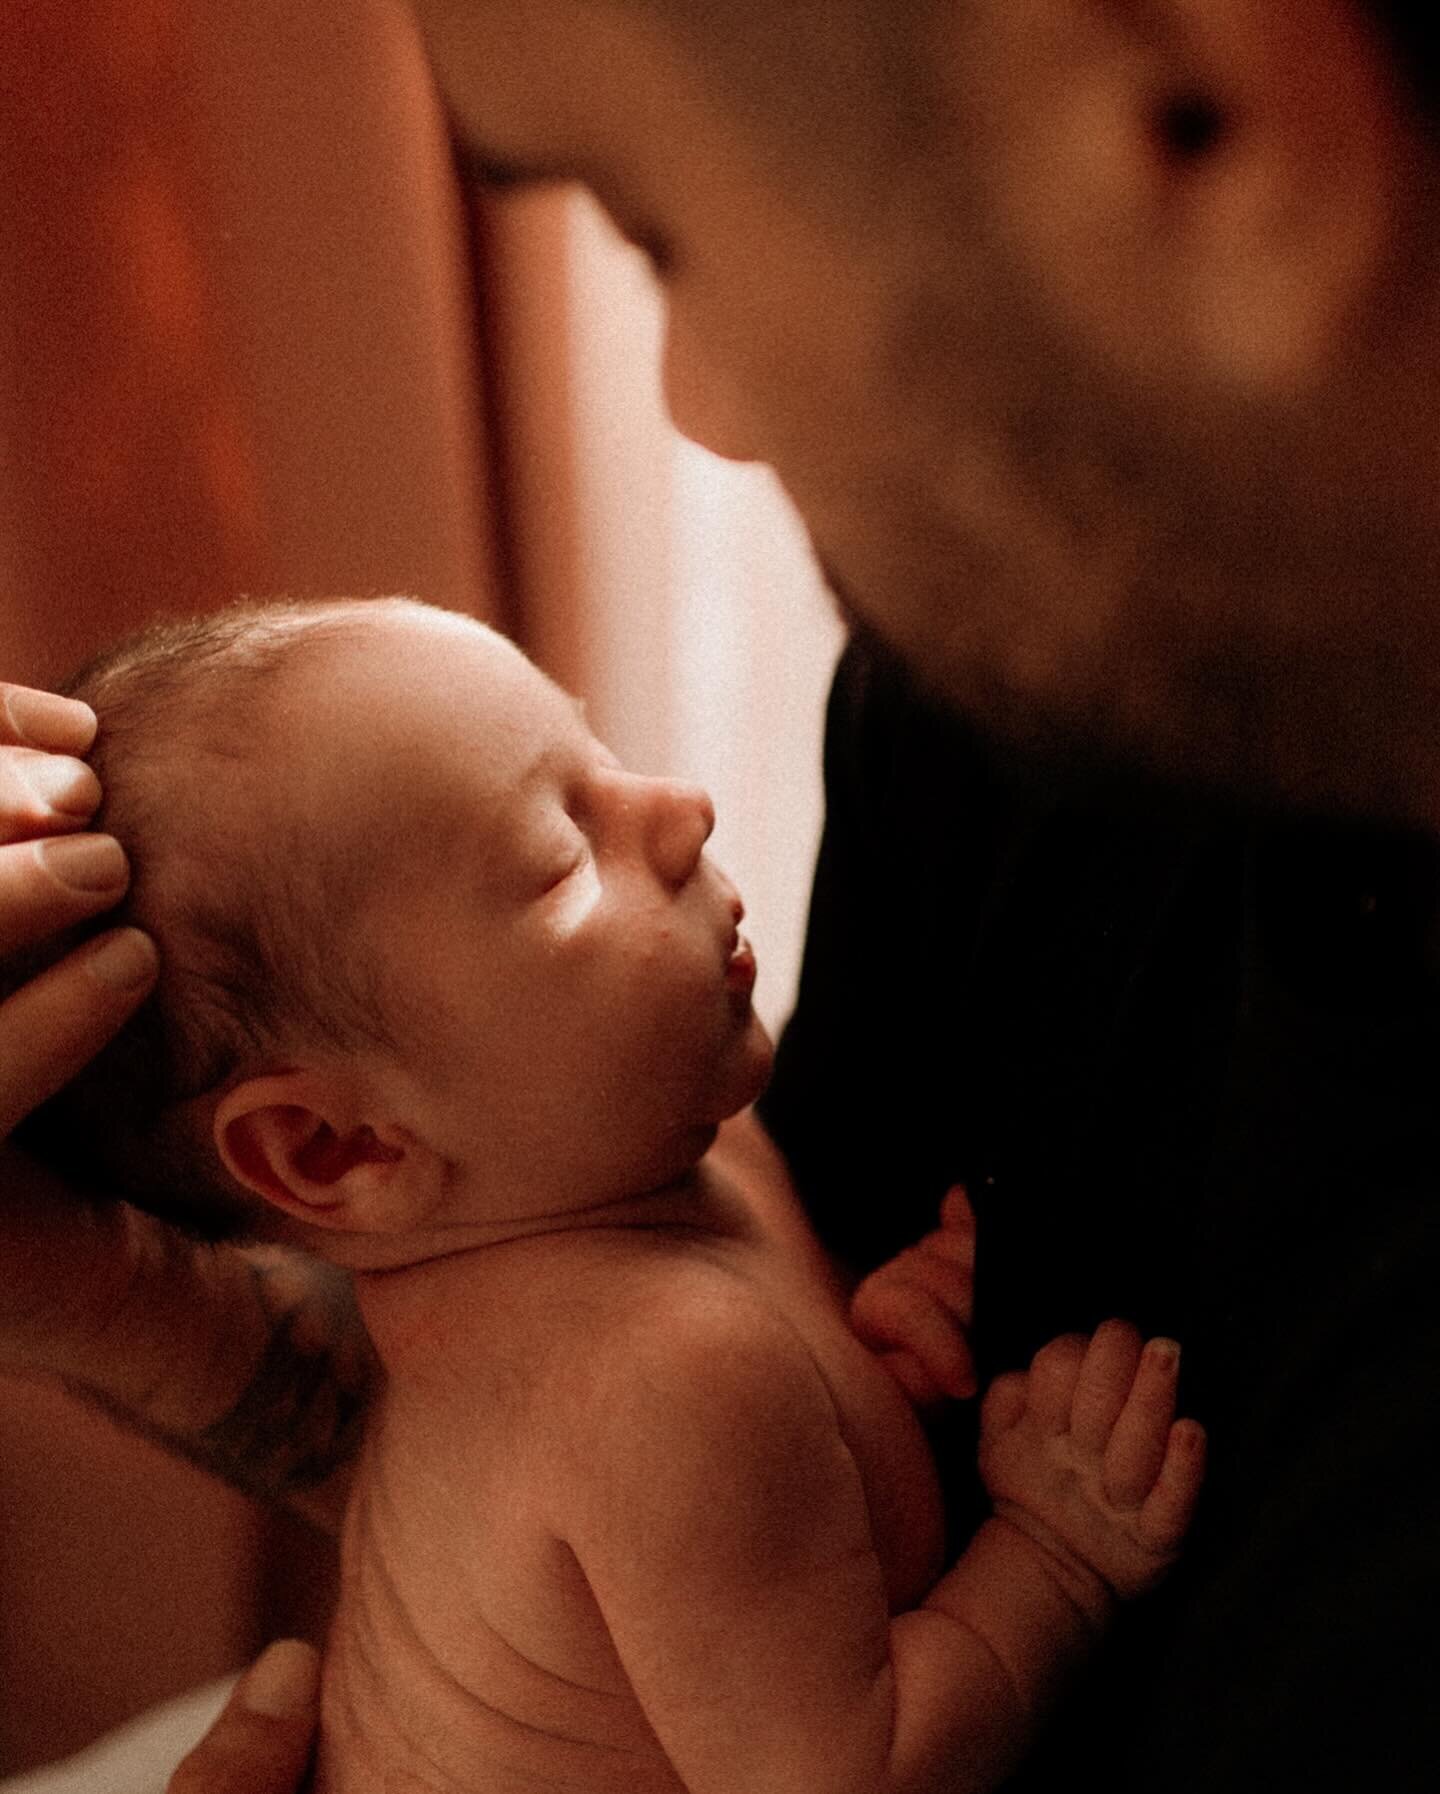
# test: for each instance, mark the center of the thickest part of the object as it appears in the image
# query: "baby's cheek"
(575, 903)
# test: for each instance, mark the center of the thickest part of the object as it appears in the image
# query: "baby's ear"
(302, 1140)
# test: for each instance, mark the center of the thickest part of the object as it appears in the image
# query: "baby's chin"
(759, 1063)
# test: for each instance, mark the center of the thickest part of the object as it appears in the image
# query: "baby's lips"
(740, 969)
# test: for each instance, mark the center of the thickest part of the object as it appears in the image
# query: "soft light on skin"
(577, 901)
(551, 952)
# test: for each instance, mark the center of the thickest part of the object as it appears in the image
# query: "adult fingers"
(44, 794)
(43, 719)
(47, 885)
(261, 1742)
(50, 1027)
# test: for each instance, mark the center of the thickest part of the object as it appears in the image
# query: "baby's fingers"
(1054, 1374)
(890, 1313)
(1141, 1434)
(1166, 1512)
(1004, 1404)
(931, 1266)
(920, 1387)
(1104, 1384)
(957, 1224)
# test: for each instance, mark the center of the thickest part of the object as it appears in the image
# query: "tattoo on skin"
(301, 1416)
(295, 1427)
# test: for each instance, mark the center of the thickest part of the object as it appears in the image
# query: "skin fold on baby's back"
(467, 1651)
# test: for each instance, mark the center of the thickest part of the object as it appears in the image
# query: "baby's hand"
(1084, 1453)
(915, 1311)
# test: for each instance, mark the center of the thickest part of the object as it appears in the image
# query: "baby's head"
(431, 961)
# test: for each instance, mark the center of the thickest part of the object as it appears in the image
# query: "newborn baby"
(451, 998)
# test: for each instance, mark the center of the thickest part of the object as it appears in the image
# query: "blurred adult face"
(1097, 346)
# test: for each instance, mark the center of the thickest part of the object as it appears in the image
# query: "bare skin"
(638, 1508)
(548, 1445)
(260, 1744)
(98, 1296)
(664, 1524)
(1224, 474)
(95, 1294)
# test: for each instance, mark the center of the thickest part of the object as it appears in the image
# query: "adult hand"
(261, 1743)
(54, 874)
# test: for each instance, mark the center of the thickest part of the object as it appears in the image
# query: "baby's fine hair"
(250, 922)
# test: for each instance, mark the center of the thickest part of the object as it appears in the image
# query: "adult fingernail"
(60, 783)
(123, 960)
(283, 1680)
(85, 863)
(41, 719)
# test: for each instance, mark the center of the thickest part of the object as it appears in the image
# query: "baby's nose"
(681, 821)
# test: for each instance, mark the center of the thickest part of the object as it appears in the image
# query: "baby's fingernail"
(60, 783)
(123, 960)
(42, 720)
(283, 1680)
(1168, 1350)
(86, 863)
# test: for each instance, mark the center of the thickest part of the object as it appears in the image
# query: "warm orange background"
(238, 356)
(252, 342)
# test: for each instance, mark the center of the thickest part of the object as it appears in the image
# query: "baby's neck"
(402, 1291)
(701, 1200)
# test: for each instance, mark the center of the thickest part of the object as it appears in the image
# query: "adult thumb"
(261, 1742)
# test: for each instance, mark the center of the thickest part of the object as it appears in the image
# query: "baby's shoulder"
(680, 1337)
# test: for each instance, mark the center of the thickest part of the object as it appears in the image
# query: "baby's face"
(562, 965)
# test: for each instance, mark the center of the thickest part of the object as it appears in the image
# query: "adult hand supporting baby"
(54, 874)
(257, 1369)
(260, 1744)
(253, 1366)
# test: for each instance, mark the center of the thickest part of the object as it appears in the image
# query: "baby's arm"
(1094, 1484)
(721, 1523)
